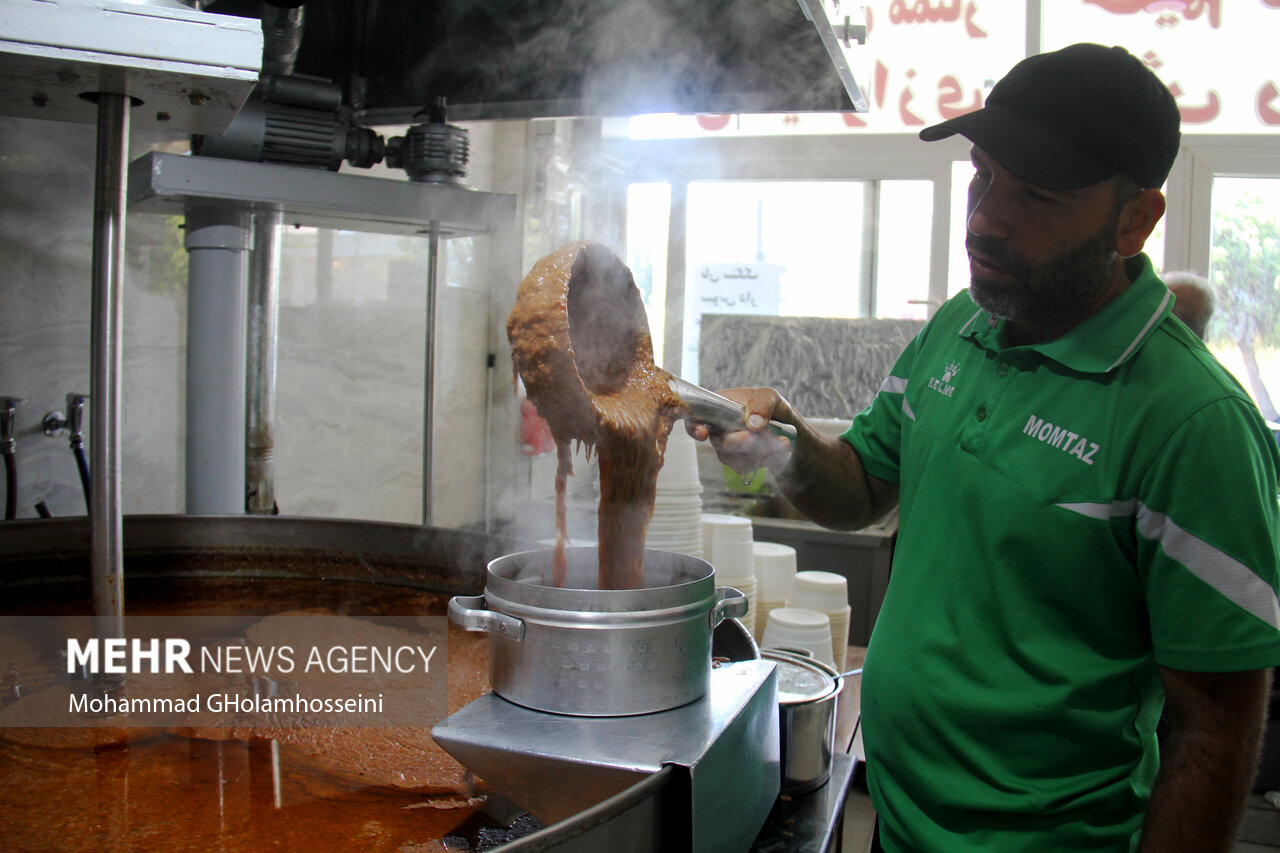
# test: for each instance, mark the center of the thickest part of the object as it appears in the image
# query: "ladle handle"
(718, 411)
(472, 613)
(730, 603)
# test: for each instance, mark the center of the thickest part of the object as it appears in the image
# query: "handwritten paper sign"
(738, 288)
(730, 288)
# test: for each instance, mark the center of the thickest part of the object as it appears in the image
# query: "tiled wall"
(46, 203)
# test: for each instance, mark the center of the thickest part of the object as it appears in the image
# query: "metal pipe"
(10, 484)
(74, 423)
(428, 378)
(8, 449)
(260, 401)
(82, 466)
(282, 28)
(216, 241)
(105, 537)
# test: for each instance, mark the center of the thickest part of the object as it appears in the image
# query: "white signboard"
(729, 288)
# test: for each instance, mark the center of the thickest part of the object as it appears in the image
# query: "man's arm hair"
(825, 480)
(1209, 761)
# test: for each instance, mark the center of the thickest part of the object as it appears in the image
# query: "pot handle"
(729, 603)
(472, 612)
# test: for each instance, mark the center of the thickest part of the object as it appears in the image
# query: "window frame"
(1189, 227)
(874, 158)
(869, 158)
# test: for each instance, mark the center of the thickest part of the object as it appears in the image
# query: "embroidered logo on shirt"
(943, 386)
(1061, 438)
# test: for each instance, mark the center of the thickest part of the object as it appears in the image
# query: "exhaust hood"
(519, 59)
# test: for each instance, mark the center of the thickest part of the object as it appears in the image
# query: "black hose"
(82, 462)
(10, 487)
(42, 510)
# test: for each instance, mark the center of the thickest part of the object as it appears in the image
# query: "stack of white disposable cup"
(676, 523)
(775, 571)
(828, 593)
(727, 544)
(799, 629)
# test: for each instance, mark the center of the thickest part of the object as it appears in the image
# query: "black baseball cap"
(1074, 117)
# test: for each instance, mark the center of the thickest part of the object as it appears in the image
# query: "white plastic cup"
(763, 608)
(733, 563)
(713, 522)
(840, 635)
(726, 543)
(828, 593)
(775, 569)
(823, 591)
(797, 628)
(679, 469)
(676, 523)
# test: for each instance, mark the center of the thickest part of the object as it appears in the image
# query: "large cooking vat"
(43, 561)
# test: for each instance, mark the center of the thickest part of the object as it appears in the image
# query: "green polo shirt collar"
(1107, 339)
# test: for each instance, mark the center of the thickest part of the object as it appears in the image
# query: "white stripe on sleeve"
(1231, 578)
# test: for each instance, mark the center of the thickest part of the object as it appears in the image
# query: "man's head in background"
(1193, 299)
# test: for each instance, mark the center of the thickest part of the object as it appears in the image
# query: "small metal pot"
(807, 695)
(598, 653)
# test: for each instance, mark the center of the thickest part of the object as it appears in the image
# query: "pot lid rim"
(831, 682)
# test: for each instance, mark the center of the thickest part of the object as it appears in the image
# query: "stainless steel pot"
(598, 653)
(807, 694)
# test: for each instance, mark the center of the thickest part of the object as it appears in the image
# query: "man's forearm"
(825, 480)
(1206, 771)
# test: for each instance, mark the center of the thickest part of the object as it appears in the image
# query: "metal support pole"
(105, 527)
(260, 402)
(429, 374)
(217, 296)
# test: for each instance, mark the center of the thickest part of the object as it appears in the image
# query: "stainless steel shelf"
(185, 71)
(166, 183)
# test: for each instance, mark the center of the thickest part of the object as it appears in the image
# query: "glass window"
(957, 257)
(1217, 58)
(902, 250)
(1244, 268)
(771, 247)
(1154, 247)
(648, 217)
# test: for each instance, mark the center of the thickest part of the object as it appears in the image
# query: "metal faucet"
(56, 422)
(73, 420)
(8, 451)
(8, 422)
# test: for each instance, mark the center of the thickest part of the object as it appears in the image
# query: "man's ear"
(1138, 218)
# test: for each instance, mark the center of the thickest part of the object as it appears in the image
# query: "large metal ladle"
(595, 341)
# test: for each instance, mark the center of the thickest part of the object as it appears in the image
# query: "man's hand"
(754, 446)
(821, 476)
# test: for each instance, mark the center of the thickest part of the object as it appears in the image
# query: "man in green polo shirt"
(1088, 513)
